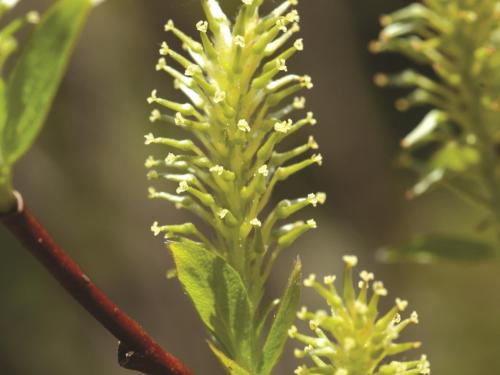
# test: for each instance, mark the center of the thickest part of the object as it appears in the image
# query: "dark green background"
(86, 181)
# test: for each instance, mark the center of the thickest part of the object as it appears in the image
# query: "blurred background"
(85, 180)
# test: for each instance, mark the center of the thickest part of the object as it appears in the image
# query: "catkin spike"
(352, 339)
(240, 108)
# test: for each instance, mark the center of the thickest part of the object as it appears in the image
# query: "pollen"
(379, 289)
(162, 64)
(311, 119)
(401, 304)
(155, 229)
(306, 81)
(321, 197)
(414, 317)
(299, 102)
(153, 98)
(318, 159)
(264, 170)
(299, 44)
(329, 280)
(202, 26)
(256, 222)
(311, 279)
(366, 276)
(165, 49)
(179, 119)
(283, 126)
(223, 213)
(149, 138)
(169, 25)
(217, 169)
(243, 126)
(311, 142)
(183, 187)
(281, 24)
(155, 115)
(151, 162)
(293, 16)
(171, 158)
(313, 200)
(350, 260)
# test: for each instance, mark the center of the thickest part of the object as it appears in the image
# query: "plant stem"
(137, 350)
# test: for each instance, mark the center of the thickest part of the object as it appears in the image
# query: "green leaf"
(278, 334)
(232, 367)
(220, 298)
(34, 80)
(434, 247)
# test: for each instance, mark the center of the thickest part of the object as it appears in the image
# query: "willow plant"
(240, 109)
(456, 143)
(351, 338)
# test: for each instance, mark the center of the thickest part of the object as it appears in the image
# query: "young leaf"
(278, 334)
(32, 84)
(435, 247)
(219, 296)
(229, 364)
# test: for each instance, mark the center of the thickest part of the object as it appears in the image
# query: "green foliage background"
(85, 180)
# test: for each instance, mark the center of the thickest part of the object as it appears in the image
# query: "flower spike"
(240, 106)
(352, 339)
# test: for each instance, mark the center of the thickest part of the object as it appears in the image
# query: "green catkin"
(459, 41)
(240, 107)
(352, 338)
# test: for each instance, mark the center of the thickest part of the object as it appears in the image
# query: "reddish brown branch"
(137, 350)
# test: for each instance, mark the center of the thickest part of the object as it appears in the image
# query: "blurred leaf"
(435, 247)
(34, 80)
(219, 296)
(278, 334)
(230, 365)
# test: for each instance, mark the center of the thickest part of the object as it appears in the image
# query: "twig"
(137, 350)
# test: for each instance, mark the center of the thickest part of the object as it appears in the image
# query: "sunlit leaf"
(219, 296)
